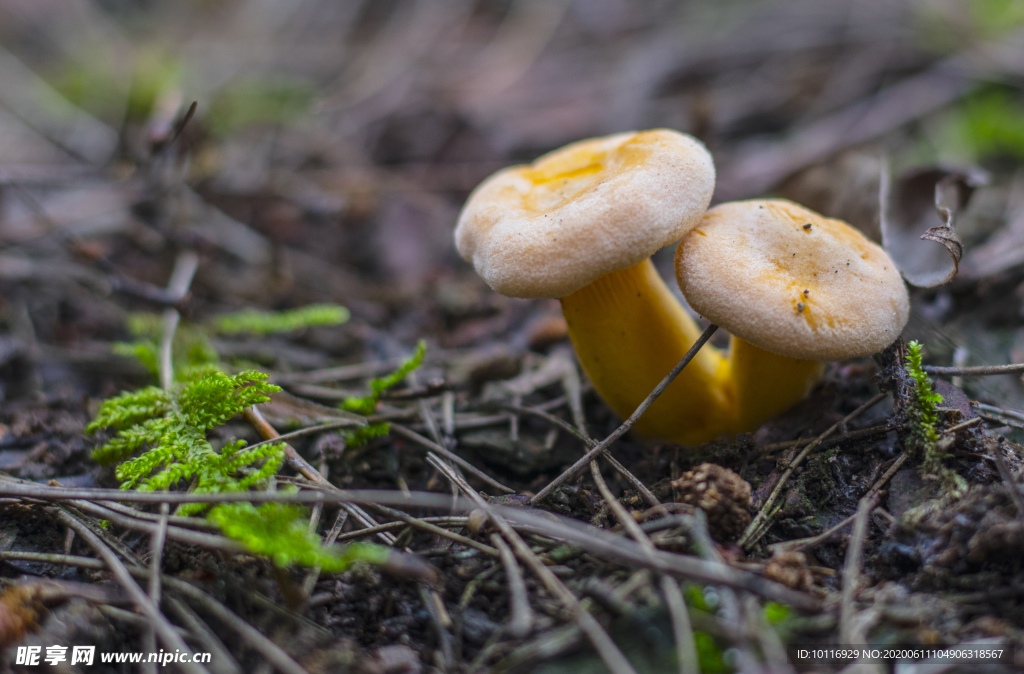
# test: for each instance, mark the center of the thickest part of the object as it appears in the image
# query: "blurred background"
(333, 143)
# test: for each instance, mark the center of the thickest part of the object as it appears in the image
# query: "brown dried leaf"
(1004, 249)
(926, 200)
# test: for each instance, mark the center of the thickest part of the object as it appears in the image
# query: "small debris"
(790, 568)
(19, 613)
(722, 494)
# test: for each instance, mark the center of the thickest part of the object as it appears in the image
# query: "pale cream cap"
(791, 281)
(552, 227)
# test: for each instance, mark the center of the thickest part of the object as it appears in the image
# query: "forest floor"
(331, 149)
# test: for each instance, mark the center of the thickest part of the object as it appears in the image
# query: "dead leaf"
(1004, 249)
(921, 205)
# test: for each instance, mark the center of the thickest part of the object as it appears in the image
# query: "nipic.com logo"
(85, 655)
(31, 655)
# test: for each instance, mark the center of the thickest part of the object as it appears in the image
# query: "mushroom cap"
(549, 228)
(792, 281)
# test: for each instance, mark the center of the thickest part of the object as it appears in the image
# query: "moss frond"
(263, 322)
(171, 429)
(161, 441)
(216, 397)
(281, 531)
(926, 400)
(130, 440)
(367, 404)
(361, 436)
(924, 417)
(142, 350)
(131, 408)
(193, 352)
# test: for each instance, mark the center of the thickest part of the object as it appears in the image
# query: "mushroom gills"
(629, 332)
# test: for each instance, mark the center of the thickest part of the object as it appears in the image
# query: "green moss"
(924, 417)
(92, 81)
(281, 532)
(256, 101)
(995, 17)
(155, 71)
(161, 435)
(776, 613)
(990, 123)
(695, 597)
(709, 654)
(367, 404)
(256, 322)
(194, 354)
(162, 441)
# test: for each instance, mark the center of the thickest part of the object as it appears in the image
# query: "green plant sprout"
(366, 405)
(924, 416)
(194, 353)
(989, 123)
(161, 440)
(172, 427)
(263, 322)
(280, 531)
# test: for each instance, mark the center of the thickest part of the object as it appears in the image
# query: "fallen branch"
(593, 540)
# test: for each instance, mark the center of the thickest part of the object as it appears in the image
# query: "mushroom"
(580, 224)
(794, 288)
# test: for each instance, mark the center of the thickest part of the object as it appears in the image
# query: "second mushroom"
(794, 289)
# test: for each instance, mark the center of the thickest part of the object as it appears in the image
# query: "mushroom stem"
(766, 383)
(629, 332)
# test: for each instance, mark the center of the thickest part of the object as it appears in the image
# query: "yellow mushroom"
(580, 224)
(794, 288)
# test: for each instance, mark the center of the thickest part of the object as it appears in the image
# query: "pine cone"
(723, 495)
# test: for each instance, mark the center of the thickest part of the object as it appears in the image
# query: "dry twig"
(165, 631)
(628, 423)
(592, 540)
(605, 647)
(181, 278)
(977, 371)
(451, 456)
(686, 648)
(521, 620)
(852, 567)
